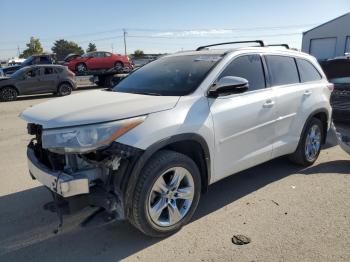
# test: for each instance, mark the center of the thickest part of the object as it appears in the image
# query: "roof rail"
(284, 45)
(260, 42)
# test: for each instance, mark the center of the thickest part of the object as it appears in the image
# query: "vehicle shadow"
(27, 231)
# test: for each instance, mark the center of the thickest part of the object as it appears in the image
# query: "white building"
(328, 40)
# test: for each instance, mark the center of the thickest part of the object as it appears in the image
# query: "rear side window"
(248, 67)
(307, 71)
(283, 70)
(48, 71)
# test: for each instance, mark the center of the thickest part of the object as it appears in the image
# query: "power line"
(174, 37)
(166, 30)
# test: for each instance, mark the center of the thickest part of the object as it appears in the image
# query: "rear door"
(243, 123)
(108, 61)
(48, 78)
(296, 87)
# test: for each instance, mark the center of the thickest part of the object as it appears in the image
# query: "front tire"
(119, 66)
(309, 146)
(8, 94)
(81, 68)
(166, 194)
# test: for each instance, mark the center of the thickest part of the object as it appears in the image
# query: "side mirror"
(229, 85)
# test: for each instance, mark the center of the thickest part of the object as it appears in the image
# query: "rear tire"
(309, 146)
(8, 94)
(166, 194)
(64, 89)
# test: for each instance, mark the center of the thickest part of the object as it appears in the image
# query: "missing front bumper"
(59, 182)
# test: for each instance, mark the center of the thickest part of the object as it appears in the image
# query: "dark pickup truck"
(43, 59)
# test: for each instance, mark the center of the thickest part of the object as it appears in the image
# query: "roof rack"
(260, 42)
(284, 45)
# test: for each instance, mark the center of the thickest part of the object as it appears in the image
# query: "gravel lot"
(290, 214)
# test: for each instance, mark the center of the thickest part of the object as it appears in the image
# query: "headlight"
(82, 139)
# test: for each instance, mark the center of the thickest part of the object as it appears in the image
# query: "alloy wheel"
(171, 197)
(313, 143)
(8, 94)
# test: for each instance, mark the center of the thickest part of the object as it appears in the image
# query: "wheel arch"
(11, 86)
(64, 82)
(323, 115)
(189, 144)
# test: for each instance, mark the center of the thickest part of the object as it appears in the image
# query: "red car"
(99, 60)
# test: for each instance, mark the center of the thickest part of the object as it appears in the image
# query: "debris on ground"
(273, 201)
(240, 240)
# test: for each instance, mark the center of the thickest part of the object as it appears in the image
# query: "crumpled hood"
(95, 107)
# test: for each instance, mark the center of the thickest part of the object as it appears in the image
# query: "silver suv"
(146, 150)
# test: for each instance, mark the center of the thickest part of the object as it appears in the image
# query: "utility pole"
(124, 34)
(112, 48)
(18, 51)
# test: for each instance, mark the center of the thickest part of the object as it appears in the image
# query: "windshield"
(169, 76)
(28, 61)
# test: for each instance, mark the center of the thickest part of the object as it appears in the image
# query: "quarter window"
(283, 70)
(307, 71)
(248, 67)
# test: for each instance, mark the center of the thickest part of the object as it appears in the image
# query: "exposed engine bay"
(95, 179)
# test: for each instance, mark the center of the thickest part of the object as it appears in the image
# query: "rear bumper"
(57, 181)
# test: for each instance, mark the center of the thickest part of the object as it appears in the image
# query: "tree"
(34, 47)
(91, 48)
(138, 53)
(62, 48)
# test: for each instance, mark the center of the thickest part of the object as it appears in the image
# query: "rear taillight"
(70, 73)
(330, 87)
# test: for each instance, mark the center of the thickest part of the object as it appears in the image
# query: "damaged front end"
(77, 180)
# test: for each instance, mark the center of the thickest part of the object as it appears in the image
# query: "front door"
(244, 124)
(30, 82)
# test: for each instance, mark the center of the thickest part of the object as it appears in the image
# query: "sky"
(159, 26)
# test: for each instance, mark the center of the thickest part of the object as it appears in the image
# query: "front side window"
(282, 69)
(307, 71)
(169, 76)
(32, 73)
(249, 67)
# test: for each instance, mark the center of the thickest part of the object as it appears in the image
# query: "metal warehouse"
(328, 40)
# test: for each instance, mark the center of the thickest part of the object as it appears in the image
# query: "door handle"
(307, 93)
(269, 103)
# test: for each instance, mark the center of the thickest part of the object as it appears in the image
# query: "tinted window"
(169, 76)
(283, 70)
(44, 60)
(107, 54)
(307, 71)
(32, 73)
(248, 67)
(48, 71)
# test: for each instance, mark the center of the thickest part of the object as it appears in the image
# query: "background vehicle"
(37, 79)
(338, 73)
(98, 60)
(68, 58)
(148, 149)
(31, 60)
